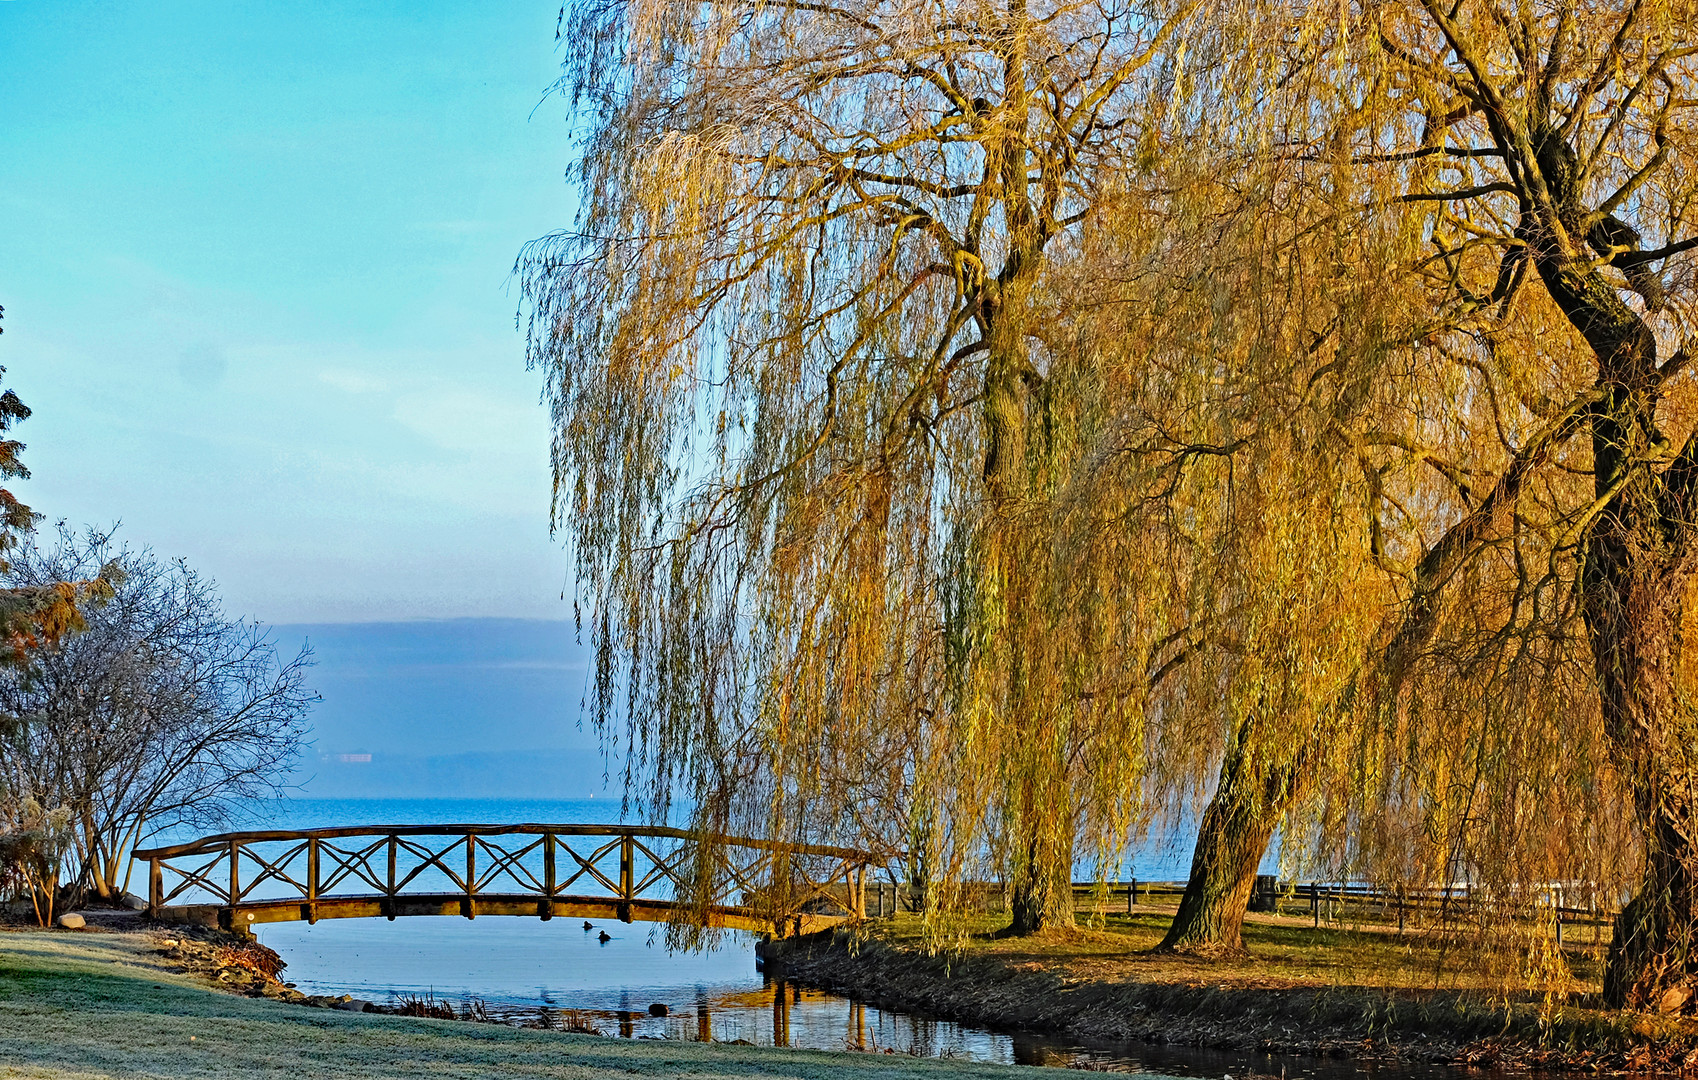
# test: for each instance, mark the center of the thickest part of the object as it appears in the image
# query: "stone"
(1674, 999)
(352, 1005)
(134, 902)
(72, 921)
(658, 1009)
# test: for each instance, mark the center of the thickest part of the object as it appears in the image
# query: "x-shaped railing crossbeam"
(197, 876)
(433, 858)
(270, 869)
(350, 863)
(589, 866)
(662, 869)
(509, 863)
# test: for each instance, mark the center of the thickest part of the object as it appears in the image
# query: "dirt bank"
(1072, 986)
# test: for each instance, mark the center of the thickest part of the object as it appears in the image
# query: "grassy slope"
(1285, 952)
(86, 1005)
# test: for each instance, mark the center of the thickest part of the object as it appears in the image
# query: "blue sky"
(255, 264)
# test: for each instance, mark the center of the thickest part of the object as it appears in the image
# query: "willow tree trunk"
(1042, 898)
(1637, 571)
(1040, 893)
(1041, 859)
(1233, 836)
(1638, 563)
(1636, 577)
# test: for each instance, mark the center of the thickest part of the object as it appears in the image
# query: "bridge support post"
(627, 875)
(312, 880)
(546, 907)
(155, 888)
(389, 892)
(469, 906)
(858, 893)
(235, 873)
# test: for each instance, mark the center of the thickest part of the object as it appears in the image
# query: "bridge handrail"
(209, 844)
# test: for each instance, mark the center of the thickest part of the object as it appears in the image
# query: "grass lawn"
(87, 1005)
(1284, 952)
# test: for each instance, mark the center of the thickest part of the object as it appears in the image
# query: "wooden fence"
(1567, 906)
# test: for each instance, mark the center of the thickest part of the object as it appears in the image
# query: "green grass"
(80, 1006)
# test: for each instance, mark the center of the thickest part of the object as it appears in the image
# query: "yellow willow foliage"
(1522, 180)
(1243, 388)
(811, 414)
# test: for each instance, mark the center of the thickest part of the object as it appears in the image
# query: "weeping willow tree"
(1384, 312)
(1539, 491)
(810, 416)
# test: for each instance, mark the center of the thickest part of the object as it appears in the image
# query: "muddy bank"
(1332, 1021)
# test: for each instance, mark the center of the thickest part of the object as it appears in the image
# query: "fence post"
(1315, 903)
(155, 888)
(312, 880)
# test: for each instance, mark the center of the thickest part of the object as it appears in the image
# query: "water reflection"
(546, 974)
(775, 1013)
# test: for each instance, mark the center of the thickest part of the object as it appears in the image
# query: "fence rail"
(595, 871)
(1322, 901)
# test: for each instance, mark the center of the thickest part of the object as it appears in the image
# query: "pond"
(529, 971)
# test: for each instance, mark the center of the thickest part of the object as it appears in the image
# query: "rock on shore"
(246, 967)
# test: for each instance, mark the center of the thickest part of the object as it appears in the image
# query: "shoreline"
(1401, 1025)
(102, 1003)
(1052, 989)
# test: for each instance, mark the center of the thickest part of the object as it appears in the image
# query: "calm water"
(521, 966)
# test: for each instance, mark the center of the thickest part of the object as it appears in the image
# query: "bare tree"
(164, 711)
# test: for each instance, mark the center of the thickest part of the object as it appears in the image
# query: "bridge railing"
(627, 872)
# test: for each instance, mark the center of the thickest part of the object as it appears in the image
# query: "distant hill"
(442, 708)
(507, 774)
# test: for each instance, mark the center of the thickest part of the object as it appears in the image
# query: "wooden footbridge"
(237, 880)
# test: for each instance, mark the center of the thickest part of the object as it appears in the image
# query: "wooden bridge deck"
(629, 873)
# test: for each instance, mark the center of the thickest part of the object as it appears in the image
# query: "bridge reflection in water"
(630, 873)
